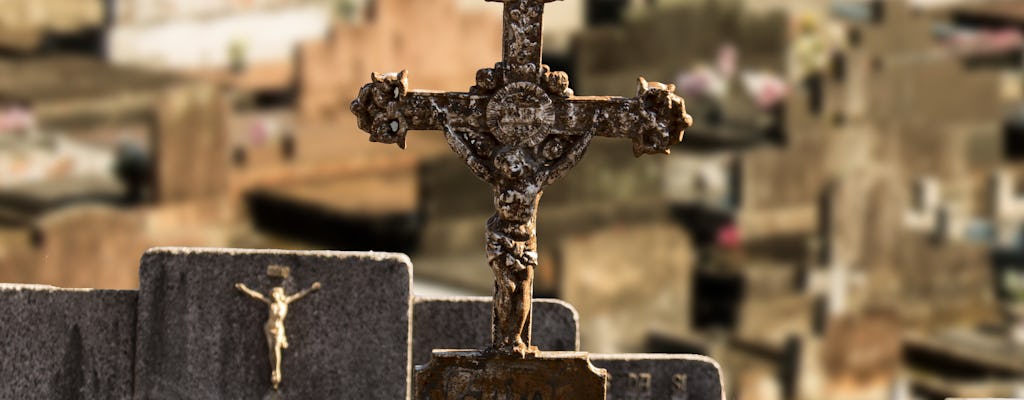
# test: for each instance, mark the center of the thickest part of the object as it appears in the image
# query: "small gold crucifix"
(274, 328)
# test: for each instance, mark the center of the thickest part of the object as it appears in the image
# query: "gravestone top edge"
(372, 255)
(653, 356)
(477, 354)
(46, 287)
(453, 299)
(375, 256)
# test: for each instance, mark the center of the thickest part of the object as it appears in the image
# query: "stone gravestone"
(66, 343)
(519, 129)
(461, 322)
(661, 376)
(200, 337)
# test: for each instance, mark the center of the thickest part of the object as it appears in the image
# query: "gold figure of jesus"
(274, 329)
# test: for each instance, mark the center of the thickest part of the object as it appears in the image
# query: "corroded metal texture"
(519, 128)
(467, 374)
(278, 303)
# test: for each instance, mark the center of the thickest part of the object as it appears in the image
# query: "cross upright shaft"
(519, 128)
(521, 31)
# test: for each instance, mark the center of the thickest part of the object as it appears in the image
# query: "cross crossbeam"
(520, 128)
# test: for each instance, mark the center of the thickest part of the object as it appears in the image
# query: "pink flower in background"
(727, 60)
(697, 81)
(16, 119)
(705, 80)
(767, 89)
(983, 41)
(258, 134)
(728, 236)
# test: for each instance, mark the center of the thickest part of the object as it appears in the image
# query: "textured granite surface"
(661, 376)
(199, 337)
(465, 323)
(66, 343)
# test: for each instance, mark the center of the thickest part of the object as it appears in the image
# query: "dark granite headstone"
(66, 343)
(199, 337)
(661, 376)
(465, 323)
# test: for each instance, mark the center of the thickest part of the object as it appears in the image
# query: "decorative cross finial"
(519, 128)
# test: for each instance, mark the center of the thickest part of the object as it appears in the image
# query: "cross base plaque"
(541, 375)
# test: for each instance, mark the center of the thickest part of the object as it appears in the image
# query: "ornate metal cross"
(519, 128)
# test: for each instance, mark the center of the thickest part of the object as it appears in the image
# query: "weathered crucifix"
(519, 128)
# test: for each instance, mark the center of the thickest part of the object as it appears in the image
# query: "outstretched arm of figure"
(299, 295)
(252, 293)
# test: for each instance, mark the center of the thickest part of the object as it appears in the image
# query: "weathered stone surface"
(469, 374)
(661, 376)
(465, 323)
(198, 337)
(66, 343)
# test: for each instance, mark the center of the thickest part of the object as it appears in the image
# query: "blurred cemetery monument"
(121, 139)
(104, 137)
(842, 190)
(29, 25)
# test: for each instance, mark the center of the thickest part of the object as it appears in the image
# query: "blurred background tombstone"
(620, 304)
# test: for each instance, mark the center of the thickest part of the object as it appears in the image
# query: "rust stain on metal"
(467, 374)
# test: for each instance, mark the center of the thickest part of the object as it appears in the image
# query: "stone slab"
(465, 323)
(468, 374)
(661, 376)
(199, 337)
(66, 343)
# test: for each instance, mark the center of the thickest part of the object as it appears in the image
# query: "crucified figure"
(274, 328)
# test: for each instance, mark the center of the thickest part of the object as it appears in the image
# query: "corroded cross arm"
(387, 109)
(654, 119)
